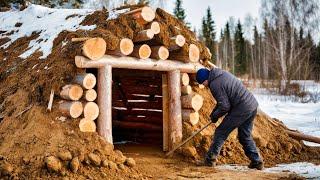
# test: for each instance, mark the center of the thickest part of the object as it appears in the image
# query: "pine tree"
(179, 12)
(208, 32)
(240, 51)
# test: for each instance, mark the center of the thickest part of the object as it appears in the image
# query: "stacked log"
(92, 48)
(190, 101)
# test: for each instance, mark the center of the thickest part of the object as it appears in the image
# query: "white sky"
(221, 10)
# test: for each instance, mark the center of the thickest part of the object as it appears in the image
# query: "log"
(192, 101)
(186, 90)
(134, 63)
(176, 42)
(192, 55)
(142, 15)
(141, 51)
(87, 125)
(136, 125)
(175, 128)
(144, 35)
(185, 79)
(104, 122)
(50, 100)
(80, 39)
(91, 111)
(140, 105)
(90, 95)
(72, 109)
(165, 110)
(125, 48)
(94, 48)
(86, 80)
(300, 136)
(190, 116)
(154, 26)
(159, 52)
(71, 92)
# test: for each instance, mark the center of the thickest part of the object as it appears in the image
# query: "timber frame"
(171, 92)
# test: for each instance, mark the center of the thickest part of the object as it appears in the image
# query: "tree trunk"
(186, 90)
(87, 125)
(86, 80)
(192, 101)
(72, 109)
(125, 48)
(159, 52)
(154, 26)
(144, 35)
(91, 111)
(141, 51)
(94, 48)
(142, 15)
(71, 92)
(90, 95)
(176, 42)
(191, 116)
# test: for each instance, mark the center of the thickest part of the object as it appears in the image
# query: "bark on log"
(175, 128)
(192, 101)
(71, 92)
(186, 90)
(87, 125)
(300, 136)
(165, 110)
(91, 111)
(154, 26)
(159, 52)
(90, 95)
(80, 39)
(136, 125)
(176, 42)
(94, 48)
(142, 15)
(141, 51)
(191, 55)
(144, 35)
(72, 109)
(185, 79)
(125, 48)
(191, 116)
(86, 80)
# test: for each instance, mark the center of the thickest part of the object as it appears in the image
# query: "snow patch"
(47, 22)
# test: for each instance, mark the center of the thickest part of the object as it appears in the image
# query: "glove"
(213, 119)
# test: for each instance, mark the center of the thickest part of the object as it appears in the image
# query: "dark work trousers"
(244, 123)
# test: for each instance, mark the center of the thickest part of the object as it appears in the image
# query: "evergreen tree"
(240, 51)
(208, 32)
(179, 12)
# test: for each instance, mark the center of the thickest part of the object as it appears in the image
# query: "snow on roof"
(45, 21)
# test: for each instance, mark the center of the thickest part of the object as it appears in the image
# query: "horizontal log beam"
(134, 63)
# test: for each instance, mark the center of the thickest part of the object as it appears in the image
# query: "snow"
(304, 117)
(305, 169)
(45, 21)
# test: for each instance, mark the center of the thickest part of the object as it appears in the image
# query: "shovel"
(188, 139)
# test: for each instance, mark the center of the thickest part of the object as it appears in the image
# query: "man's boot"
(210, 160)
(256, 165)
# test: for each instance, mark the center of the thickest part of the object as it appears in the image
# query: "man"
(240, 108)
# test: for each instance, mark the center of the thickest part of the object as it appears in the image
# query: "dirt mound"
(270, 137)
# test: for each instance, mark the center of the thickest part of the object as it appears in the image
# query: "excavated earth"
(35, 143)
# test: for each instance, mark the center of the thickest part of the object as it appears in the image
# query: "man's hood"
(214, 73)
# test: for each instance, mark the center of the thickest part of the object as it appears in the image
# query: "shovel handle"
(188, 139)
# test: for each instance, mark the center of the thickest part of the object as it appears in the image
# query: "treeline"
(282, 49)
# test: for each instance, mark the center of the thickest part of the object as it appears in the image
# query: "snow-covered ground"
(304, 117)
(305, 169)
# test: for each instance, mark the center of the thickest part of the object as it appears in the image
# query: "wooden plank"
(104, 122)
(165, 109)
(137, 112)
(175, 119)
(142, 105)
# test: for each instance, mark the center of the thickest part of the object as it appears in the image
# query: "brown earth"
(33, 143)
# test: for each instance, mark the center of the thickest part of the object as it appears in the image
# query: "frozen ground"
(307, 170)
(304, 117)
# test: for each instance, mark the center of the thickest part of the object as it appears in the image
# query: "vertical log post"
(165, 112)
(175, 118)
(105, 102)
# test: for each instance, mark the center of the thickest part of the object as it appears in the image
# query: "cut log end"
(190, 116)
(94, 48)
(126, 46)
(73, 109)
(192, 101)
(87, 125)
(144, 35)
(194, 53)
(86, 80)
(71, 92)
(179, 40)
(155, 27)
(185, 79)
(148, 14)
(186, 90)
(159, 52)
(91, 111)
(142, 51)
(90, 95)
(197, 102)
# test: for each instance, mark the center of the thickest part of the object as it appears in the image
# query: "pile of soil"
(37, 143)
(269, 134)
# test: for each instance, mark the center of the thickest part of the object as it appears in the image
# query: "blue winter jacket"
(231, 96)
